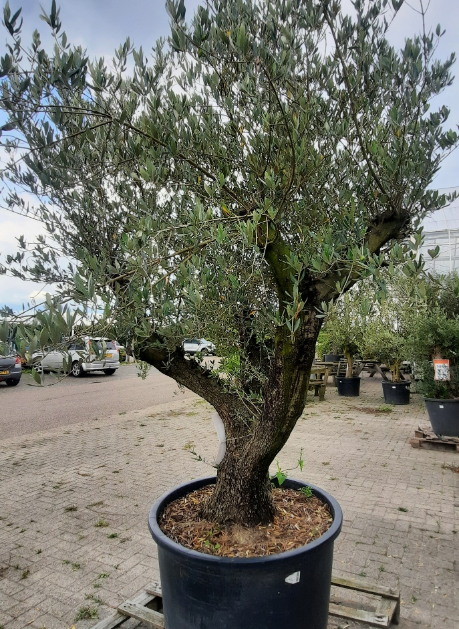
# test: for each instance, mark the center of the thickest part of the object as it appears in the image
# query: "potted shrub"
(386, 334)
(203, 192)
(345, 325)
(435, 336)
(324, 349)
(388, 347)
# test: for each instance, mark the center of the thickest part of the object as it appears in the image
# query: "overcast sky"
(101, 25)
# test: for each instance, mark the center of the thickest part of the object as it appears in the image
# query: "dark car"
(10, 370)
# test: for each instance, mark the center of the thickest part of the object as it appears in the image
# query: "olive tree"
(231, 184)
(347, 321)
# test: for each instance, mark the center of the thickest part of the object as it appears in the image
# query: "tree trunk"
(349, 365)
(243, 491)
(254, 437)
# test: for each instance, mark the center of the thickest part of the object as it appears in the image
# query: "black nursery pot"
(397, 393)
(332, 358)
(444, 416)
(349, 387)
(289, 590)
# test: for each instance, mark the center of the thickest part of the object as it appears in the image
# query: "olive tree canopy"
(228, 184)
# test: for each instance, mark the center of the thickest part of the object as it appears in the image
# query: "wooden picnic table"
(318, 380)
(331, 367)
(374, 366)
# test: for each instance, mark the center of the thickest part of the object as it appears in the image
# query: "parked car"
(121, 351)
(10, 370)
(81, 358)
(193, 346)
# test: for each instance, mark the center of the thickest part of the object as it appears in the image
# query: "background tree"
(387, 332)
(230, 185)
(433, 332)
(347, 321)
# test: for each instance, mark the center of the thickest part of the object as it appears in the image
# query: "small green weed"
(385, 408)
(104, 575)
(101, 523)
(25, 574)
(381, 569)
(75, 565)
(402, 509)
(362, 573)
(71, 508)
(85, 613)
(94, 598)
(307, 491)
(112, 535)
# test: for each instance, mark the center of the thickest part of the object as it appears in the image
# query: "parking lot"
(75, 497)
(29, 407)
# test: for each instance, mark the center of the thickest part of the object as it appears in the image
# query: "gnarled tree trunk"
(243, 489)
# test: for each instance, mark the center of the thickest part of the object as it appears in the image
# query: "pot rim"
(394, 384)
(163, 540)
(441, 400)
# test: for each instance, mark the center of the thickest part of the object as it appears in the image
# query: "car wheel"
(109, 372)
(204, 352)
(77, 370)
(12, 383)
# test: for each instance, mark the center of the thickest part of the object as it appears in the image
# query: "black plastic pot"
(289, 590)
(444, 416)
(349, 387)
(332, 358)
(397, 393)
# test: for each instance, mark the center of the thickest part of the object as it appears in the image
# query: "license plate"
(108, 355)
(4, 373)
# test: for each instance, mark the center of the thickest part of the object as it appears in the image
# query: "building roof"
(445, 219)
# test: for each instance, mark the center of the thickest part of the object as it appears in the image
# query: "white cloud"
(13, 291)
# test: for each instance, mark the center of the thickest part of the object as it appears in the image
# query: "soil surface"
(299, 520)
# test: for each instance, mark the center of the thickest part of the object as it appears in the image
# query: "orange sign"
(441, 367)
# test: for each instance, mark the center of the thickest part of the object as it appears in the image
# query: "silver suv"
(193, 346)
(82, 357)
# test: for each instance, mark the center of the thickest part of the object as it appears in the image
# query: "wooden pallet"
(426, 438)
(147, 606)
(384, 606)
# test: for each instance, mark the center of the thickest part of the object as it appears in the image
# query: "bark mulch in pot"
(299, 520)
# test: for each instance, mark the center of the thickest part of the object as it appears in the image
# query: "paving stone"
(69, 479)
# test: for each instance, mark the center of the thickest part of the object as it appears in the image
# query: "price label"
(441, 367)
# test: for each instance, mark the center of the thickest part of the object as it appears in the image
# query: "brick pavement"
(74, 504)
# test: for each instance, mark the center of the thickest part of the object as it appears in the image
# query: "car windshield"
(109, 344)
(7, 349)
